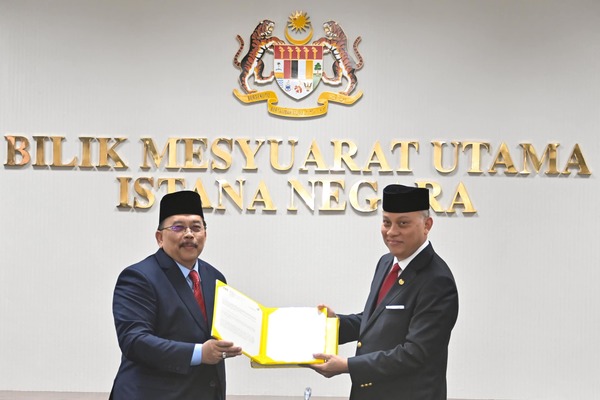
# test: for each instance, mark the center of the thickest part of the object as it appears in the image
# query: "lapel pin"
(401, 282)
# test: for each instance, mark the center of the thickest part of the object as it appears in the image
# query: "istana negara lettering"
(336, 176)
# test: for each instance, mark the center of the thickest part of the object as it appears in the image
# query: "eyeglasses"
(183, 228)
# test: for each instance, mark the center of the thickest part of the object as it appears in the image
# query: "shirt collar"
(186, 271)
(404, 263)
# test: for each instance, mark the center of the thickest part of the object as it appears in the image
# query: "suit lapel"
(382, 270)
(208, 282)
(182, 288)
(407, 277)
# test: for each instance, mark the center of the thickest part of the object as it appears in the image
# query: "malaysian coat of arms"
(298, 66)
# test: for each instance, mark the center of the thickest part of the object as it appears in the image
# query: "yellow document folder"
(285, 336)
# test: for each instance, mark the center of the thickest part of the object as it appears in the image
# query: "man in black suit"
(163, 308)
(404, 330)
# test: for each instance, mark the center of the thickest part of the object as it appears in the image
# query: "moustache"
(187, 244)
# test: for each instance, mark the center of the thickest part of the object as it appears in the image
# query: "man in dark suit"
(163, 308)
(404, 330)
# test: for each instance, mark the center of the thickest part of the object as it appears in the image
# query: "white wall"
(494, 71)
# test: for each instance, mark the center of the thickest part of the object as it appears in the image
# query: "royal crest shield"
(298, 69)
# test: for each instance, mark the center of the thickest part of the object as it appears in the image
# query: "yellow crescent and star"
(298, 22)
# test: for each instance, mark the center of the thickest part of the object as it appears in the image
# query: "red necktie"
(198, 291)
(388, 282)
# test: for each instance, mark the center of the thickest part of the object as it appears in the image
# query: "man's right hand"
(330, 312)
(214, 351)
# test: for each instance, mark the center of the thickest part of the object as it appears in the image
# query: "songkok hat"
(177, 203)
(401, 199)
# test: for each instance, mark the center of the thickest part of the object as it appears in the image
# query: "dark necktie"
(388, 282)
(198, 291)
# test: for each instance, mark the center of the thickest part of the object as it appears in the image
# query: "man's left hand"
(333, 365)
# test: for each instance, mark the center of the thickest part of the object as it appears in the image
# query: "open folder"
(273, 337)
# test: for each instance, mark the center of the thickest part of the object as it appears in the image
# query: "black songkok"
(177, 203)
(401, 199)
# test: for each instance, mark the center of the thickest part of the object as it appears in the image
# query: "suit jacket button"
(359, 345)
(212, 383)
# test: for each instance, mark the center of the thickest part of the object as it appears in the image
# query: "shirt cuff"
(197, 355)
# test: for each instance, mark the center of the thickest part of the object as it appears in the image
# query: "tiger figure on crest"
(261, 40)
(336, 42)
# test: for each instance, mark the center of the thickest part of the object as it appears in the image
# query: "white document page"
(238, 319)
(296, 333)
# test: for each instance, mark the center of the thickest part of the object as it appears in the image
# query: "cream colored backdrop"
(497, 71)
